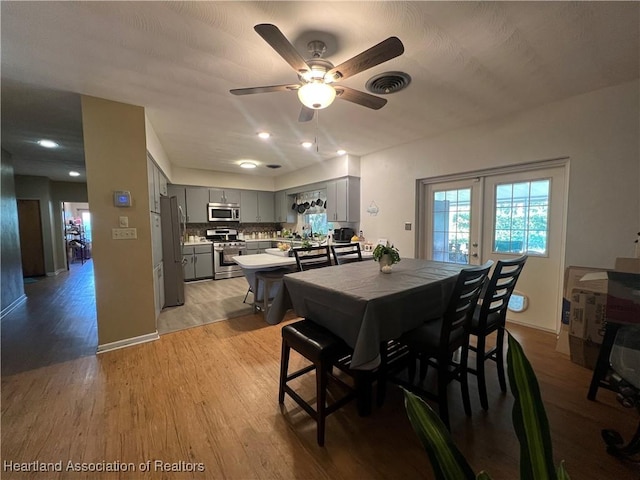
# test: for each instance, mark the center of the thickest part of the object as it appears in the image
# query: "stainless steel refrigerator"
(170, 218)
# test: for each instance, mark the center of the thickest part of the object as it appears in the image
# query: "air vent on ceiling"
(388, 82)
(272, 165)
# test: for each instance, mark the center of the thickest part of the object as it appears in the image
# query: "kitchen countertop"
(192, 244)
(262, 261)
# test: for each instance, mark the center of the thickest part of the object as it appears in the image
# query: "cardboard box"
(629, 265)
(622, 291)
(583, 352)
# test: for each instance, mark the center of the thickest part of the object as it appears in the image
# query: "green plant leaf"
(529, 417)
(561, 472)
(483, 476)
(447, 461)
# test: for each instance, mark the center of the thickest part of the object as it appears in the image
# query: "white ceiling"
(469, 62)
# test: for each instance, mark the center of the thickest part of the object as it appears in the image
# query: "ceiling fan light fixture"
(316, 95)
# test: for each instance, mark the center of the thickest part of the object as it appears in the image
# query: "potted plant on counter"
(386, 255)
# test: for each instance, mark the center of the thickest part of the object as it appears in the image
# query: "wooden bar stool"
(323, 349)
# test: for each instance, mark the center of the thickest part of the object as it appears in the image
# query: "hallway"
(55, 324)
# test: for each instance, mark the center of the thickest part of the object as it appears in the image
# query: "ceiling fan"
(317, 88)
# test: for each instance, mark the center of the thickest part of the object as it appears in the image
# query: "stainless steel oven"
(226, 246)
(223, 212)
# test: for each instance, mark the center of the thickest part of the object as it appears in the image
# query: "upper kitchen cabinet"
(157, 185)
(197, 201)
(179, 192)
(343, 200)
(283, 202)
(228, 195)
(257, 207)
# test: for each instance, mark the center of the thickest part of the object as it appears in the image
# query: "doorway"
(31, 240)
(76, 220)
(502, 214)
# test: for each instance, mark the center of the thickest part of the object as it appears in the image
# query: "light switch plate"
(124, 233)
(407, 225)
(124, 222)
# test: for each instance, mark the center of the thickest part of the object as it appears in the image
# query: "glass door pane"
(453, 223)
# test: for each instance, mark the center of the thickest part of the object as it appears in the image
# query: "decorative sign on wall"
(373, 209)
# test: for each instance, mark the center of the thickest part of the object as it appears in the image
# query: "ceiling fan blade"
(380, 53)
(361, 98)
(267, 89)
(274, 37)
(306, 114)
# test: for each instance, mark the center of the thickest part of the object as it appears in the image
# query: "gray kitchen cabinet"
(197, 200)
(153, 177)
(257, 207)
(258, 247)
(178, 191)
(224, 195)
(283, 202)
(343, 200)
(197, 262)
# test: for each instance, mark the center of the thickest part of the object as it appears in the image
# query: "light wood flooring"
(209, 395)
(207, 301)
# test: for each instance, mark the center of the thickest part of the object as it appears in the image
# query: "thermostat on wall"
(122, 198)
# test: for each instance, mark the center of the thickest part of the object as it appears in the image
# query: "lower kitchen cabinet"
(197, 261)
(158, 288)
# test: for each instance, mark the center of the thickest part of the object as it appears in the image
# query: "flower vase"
(385, 263)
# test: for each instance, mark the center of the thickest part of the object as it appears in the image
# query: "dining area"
(360, 329)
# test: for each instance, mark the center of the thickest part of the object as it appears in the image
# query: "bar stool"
(323, 349)
(268, 278)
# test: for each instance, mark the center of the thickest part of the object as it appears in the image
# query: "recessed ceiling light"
(307, 144)
(264, 135)
(248, 165)
(341, 152)
(74, 174)
(47, 143)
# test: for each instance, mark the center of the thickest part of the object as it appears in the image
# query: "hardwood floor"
(208, 396)
(207, 301)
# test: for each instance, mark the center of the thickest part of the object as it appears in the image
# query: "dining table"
(364, 306)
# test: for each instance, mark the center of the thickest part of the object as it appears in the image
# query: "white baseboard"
(128, 342)
(531, 325)
(57, 272)
(15, 304)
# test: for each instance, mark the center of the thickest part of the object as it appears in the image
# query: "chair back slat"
(312, 257)
(457, 316)
(346, 253)
(496, 296)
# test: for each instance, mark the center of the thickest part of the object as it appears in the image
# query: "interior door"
(524, 213)
(31, 241)
(453, 221)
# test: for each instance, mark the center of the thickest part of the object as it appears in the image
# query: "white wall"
(155, 148)
(334, 168)
(598, 131)
(208, 178)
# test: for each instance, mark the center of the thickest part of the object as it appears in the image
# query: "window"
(318, 223)
(522, 217)
(451, 225)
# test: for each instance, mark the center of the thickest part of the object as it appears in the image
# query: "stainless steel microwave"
(223, 212)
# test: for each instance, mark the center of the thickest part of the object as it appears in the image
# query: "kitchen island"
(260, 262)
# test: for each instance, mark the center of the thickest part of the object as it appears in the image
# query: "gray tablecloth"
(364, 306)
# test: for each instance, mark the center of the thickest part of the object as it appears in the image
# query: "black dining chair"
(312, 257)
(346, 253)
(490, 316)
(324, 350)
(435, 341)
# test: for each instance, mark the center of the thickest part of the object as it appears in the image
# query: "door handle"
(475, 255)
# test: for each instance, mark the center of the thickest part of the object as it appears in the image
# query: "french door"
(502, 215)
